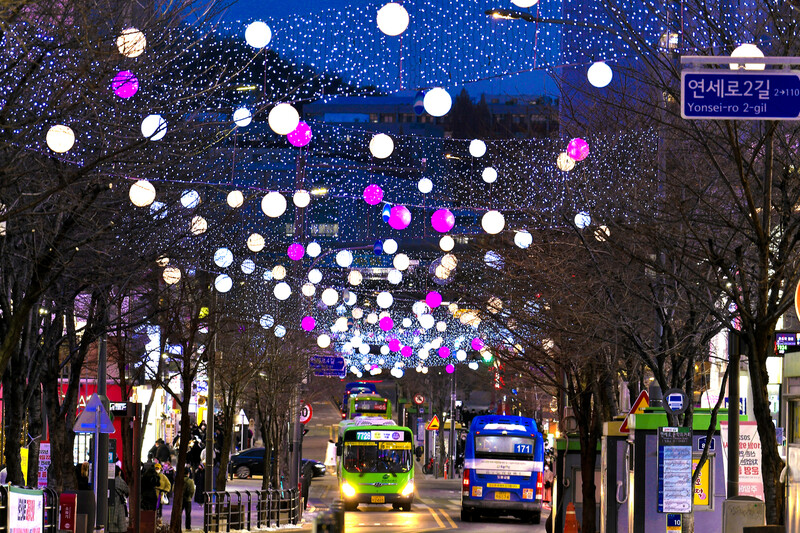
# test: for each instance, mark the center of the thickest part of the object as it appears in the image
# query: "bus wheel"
(534, 518)
(467, 516)
(406, 507)
(350, 506)
(396, 506)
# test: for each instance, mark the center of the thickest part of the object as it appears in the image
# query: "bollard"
(337, 508)
(571, 520)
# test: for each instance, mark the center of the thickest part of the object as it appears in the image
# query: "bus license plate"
(378, 499)
(502, 495)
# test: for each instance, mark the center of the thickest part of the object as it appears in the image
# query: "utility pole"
(101, 439)
(452, 436)
(208, 480)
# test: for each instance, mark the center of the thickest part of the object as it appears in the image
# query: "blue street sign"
(329, 373)
(716, 94)
(326, 362)
(701, 444)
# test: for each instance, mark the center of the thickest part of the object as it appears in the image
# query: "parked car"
(250, 462)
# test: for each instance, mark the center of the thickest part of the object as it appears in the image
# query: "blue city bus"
(503, 464)
(356, 387)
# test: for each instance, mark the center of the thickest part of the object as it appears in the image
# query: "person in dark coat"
(163, 453)
(118, 513)
(306, 475)
(83, 476)
(199, 483)
(149, 484)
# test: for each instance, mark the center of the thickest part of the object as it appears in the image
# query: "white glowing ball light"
(255, 242)
(358, 313)
(599, 74)
(477, 148)
(489, 175)
(392, 19)
(349, 298)
(248, 266)
(330, 297)
(314, 276)
(747, 50)
(401, 262)
(323, 341)
(279, 272)
(223, 283)
(282, 291)
(283, 119)
(493, 222)
(437, 102)
(354, 277)
(273, 204)
(461, 355)
(301, 198)
(394, 276)
(313, 249)
(154, 127)
(198, 225)
(582, 219)
(427, 321)
(171, 275)
(308, 290)
(372, 318)
(223, 258)
(242, 117)
(523, 239)
(525, 3)
(131, 42)
(257, 34)
(384, 300)
(60, 138)
(266, 321)
(344, 258)
(565, 162)
(389, 246)
(142, 193)
(446, 243)
(235, 199)
(190, 199)
(425, 185)
(381, 146)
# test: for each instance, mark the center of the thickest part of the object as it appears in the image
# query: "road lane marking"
(435, 517)
(453, 524)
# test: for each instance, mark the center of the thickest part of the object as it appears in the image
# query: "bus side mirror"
(339, 448)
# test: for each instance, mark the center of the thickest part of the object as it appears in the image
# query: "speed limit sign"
(305, 413)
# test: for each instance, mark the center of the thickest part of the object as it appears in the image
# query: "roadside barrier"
(250, 509)
(49, 507)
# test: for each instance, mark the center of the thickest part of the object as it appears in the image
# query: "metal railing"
(246, 509)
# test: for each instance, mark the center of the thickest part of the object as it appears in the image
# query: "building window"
(387, 117)
(373, 117)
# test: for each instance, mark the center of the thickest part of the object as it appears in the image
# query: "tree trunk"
(183, 448)
(226, 433)
(36, 430)
(771, 462)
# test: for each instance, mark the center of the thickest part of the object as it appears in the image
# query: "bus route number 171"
(523, 448)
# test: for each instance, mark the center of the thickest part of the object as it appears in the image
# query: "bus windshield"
(377, 457)
(506, 446)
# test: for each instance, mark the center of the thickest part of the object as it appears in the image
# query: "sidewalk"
(306, 521)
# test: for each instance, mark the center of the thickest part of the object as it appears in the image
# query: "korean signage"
(675, 490)
(702, 485)
(67, 507)
(750, 481)
(44, 463)
(750, 95)
(25, 510)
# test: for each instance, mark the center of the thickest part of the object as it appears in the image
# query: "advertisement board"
(25, 510)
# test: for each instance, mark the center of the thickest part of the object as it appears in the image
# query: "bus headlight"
(348, 490)
(408, 490)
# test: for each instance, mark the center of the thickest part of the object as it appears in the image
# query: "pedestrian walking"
(118, 515)
(188, 493)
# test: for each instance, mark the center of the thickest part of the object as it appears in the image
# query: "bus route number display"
(379, 435)
(523, 448)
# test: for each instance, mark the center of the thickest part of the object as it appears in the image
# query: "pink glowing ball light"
(373, 194)
(125, 84)
(444, 352)
(308, 323)
(300, 136)
(406, 351)
(399, 217)
(578, 149)
(386, 323)
(433, 299)
(449, 369)
(477, 343)
(394, 345)
(296, 251)
(443, 220)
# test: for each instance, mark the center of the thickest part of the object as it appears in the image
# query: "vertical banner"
(44, 464)
(25, 510)
(675, 491)
(702, 485)
(750, 481)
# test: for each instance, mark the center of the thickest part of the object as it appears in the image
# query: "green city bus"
(376, 463)
(369, 404)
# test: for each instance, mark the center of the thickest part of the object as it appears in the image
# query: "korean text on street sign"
(326, 362)
(716, 94)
